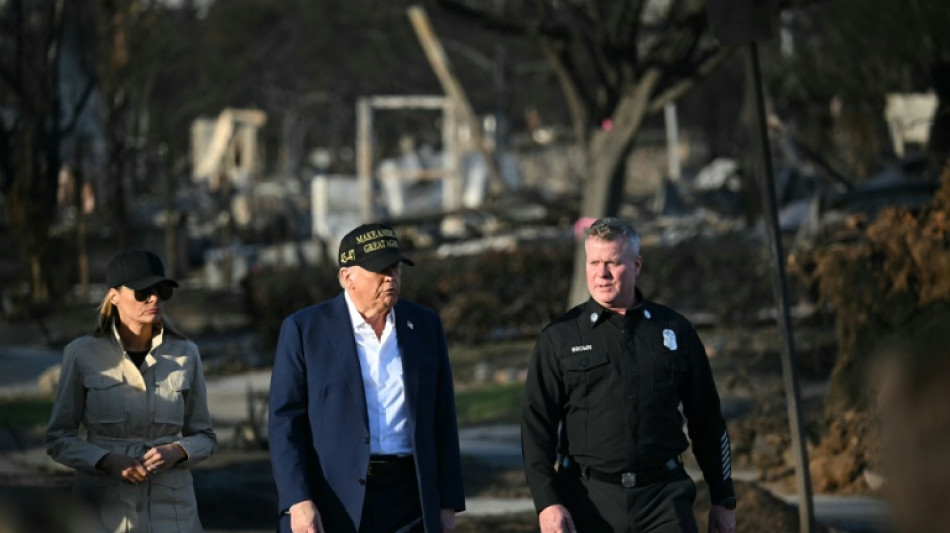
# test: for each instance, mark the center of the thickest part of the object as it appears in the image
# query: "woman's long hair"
(108, 314)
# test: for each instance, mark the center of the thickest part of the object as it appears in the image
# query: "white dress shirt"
(381, 367)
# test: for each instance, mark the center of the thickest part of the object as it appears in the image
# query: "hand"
(305, 518)
(123, 467)
(556, 519)
(722, 520)
(448, 520)
(164, 456)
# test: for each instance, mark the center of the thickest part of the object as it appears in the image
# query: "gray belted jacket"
(127, 410)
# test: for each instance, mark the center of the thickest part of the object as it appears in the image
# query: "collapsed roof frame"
(366, 109)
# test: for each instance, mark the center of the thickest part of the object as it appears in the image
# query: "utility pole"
(747, 22)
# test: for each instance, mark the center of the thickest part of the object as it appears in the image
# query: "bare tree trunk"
(114, 21)
(580, 116)
(82, 254)
(33, 80)
(38, 279)
(607, 155)
(226, 221)
(33, 197)
(117, 155)
(171, 214)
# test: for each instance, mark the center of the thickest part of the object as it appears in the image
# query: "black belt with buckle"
(633, 479)
(390, 465)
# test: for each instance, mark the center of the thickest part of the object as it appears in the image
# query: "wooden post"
(364, 157)
(450, 174)
(452, 180)
(672, 141)
(450, 84)
(82, 250)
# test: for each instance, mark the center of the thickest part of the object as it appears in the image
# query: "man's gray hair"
(609, 228)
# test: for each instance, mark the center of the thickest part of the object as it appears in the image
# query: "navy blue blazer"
(318, 428)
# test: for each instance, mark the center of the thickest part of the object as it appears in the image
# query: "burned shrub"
(880, 279)
(500, 295)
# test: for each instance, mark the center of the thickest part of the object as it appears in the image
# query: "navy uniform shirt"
(605, 389)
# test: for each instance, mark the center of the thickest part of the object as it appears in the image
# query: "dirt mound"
(883, 278)
(847, 459)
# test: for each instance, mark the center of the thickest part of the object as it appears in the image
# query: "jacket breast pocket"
(105, 402)
(170, 392)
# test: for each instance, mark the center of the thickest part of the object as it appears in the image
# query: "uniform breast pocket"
(669, 370)
(170, 392)
(105, 403)
(585, 372)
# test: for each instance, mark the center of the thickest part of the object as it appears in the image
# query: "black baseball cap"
(371, 246)
(137, 269)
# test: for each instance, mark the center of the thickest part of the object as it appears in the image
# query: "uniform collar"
(599, 314)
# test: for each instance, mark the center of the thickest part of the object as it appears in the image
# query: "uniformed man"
(602, 430)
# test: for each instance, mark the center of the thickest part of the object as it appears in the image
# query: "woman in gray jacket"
(137, 387)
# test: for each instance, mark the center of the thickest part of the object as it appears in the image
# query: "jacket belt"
(131, 445)
(633, 479)
(390, 465)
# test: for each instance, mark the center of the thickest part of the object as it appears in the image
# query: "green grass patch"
(515, 349)
(489, 404)
(25, 412)
(498, 355)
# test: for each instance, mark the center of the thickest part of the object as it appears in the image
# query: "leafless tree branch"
(704, 67)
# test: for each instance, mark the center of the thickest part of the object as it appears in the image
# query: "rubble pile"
(883, 278)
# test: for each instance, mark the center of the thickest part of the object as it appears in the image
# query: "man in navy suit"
(362, 428)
